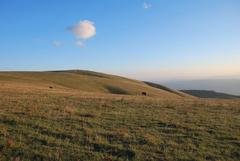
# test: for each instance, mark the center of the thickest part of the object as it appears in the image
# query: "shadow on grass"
(114, 151)
(116, 90)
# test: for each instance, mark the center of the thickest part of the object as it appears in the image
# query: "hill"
(166, 89)
(210, 94)
(81, 118)
(82, 81)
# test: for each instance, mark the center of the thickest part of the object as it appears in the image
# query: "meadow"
(42, 124)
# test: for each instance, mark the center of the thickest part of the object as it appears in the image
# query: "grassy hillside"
(85, 81)
(75, 122)
(166, 89)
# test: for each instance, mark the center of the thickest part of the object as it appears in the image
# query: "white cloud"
(79, 44)
(57, 43)
(147, 5)
(84, 29)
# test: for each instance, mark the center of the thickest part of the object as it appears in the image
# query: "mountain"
(229, 86)
(82, 81)
(209, 94)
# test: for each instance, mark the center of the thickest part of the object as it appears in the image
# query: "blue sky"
(149, 40)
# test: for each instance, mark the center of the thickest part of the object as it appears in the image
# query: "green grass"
(64, 127)
(42, 124)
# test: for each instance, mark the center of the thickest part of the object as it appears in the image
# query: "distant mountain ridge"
(210, 94)
(229, 86)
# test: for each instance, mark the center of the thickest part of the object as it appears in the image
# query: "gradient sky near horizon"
(148, 40)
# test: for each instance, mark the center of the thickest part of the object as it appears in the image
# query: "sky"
(147, 40)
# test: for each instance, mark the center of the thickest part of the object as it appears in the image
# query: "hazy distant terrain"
(229, 86)
(210, 94)
(84, 116)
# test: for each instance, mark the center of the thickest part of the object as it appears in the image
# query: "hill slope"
(82, 81)
(79, 119)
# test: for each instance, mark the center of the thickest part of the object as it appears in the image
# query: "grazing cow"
(144, 93)
(50, 87)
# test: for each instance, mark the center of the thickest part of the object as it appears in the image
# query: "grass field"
(79, 121)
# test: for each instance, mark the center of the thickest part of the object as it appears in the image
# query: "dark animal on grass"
(50, 87)
(144, 93)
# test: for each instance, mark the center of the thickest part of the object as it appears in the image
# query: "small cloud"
(147, 5)
(84, 29)
(79, 44)
(57, 43)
